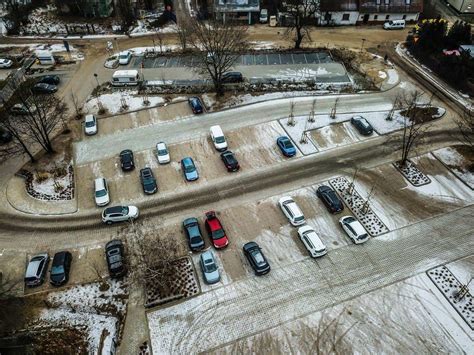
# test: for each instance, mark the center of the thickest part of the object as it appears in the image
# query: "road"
(250, 306)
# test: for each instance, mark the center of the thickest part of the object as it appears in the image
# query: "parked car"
(189, 169)
(218, 138)
(162, 153)
(50, 79)
(311, 241)
(354, 229)
(232, 77)
(5, 136)
(90, 125)
(60, 268)
(193, 233)
(330, 199)
(148, 181)
(43, 88)
(394, 25)
(119, 214)
(362, 125)
(5, 63)
(286, 146)
(263, 16)
(291, 211)
(36, 270)
(115, 256)
(125, 57)
(230, 161)
(196, 105)
(126, 160)
(209, 268)
(215, 230)
(20, 109)
(101, 192)
(257, 260)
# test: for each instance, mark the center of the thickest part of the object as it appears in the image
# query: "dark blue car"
(195, 104)
(189, 169)
(286, 146)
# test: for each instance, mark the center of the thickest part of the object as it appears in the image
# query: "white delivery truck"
(125, 78)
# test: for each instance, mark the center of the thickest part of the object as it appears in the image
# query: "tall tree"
(126, 12)
(218, 46)
(17, 15)
(302, 15)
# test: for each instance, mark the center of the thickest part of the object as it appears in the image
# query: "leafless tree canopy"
(218, 47)
(415, 124)
(184, 32)
(36, 127)
(466, 127)
(302, 18)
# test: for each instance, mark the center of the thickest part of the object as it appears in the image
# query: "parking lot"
(254, 147)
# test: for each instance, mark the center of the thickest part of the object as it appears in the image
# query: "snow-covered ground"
(47, 187)
(89, 308)
(457, 163)
(112, 102)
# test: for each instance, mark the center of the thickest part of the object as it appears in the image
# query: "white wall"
(337, 17)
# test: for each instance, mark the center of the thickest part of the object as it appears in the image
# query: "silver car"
(209, 268)
(36, 270)
(119, 214)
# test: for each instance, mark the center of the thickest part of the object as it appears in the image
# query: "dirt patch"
(421, 114)
(468, 153)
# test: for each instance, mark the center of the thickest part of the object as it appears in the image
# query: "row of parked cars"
(61, 265)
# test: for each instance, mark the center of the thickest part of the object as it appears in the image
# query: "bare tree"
(184, 32)
(17, 14)
(20, 143)
(125, 10)
(218, 45)
(414, 125)
(465, 125)
(302, 15)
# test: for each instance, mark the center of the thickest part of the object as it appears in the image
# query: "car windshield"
(362, 236)
(195, 240)
(90, 124)
(299, 218)
(209, 266)
(126, 158)
(218, 234)
(162, 152)
(124, 56)
(220, 139)
(189, 168)
(124, 210)
(57, 270)
(258, 257)
(100, 193)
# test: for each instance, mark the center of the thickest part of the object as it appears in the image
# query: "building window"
(345, 17)
(387, 17)
(408, 2)
(378, 2)
(387, 2)
(404, 17)
(376, 17)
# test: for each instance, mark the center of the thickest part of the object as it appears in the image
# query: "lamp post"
(116, 44)
(99, 103)
(362, 46)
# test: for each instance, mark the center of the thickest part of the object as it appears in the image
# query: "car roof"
(214, 223)
(89, 117)
(207, 255)
(357, 227)
(113, 209)
(99, 183)
(161, 145)
(188, 161)
(59, 257)
(313, 237)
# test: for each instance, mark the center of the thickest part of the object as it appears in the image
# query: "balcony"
(413, 8)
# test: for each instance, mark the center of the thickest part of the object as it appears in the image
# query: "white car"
(291, 211)
(119, 214)
(162, 153)
(312, 242)
(125, 57)
(5, 63)
(90, 125)
(101, 192)
(354, 229)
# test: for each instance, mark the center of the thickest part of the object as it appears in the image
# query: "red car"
(215, 231)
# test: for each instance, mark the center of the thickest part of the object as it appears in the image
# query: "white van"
(263, 16)
(394, 25)
(312, 242)
(218, 138)
(125, 78)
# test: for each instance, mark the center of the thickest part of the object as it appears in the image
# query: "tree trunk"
(299, 38)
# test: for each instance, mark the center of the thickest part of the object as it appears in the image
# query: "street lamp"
(99, 103)
(116, 44)
(362, 46)
(96, 79)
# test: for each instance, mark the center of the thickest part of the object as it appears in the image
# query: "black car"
(60, 268)
(43, 88)
(256, 258)
(362, 125)
(330, 199)
(193, 232)
(49, 79)
(148, 181)
(126, 160)
(230, 161)
(114, 253)
(5, 136)
(232, 77)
